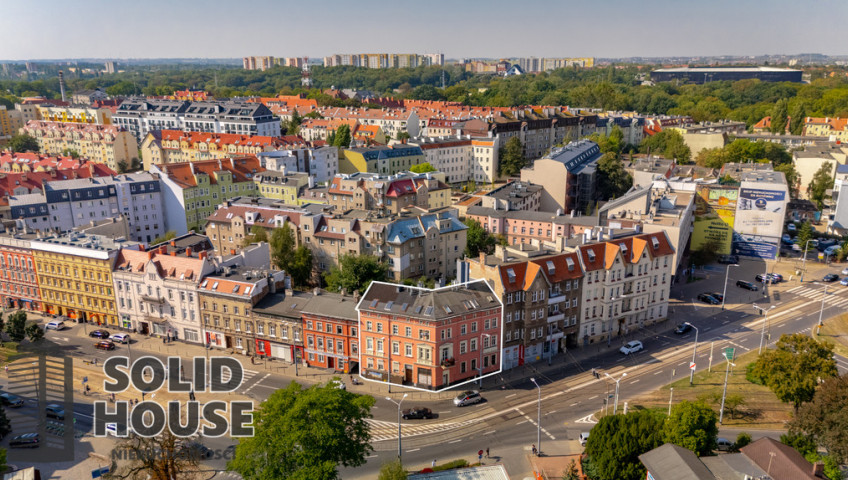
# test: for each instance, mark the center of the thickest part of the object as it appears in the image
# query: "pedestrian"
(434, 463)
(480, 456)
(87, 389)
(534, 449)
(7, 369)
(487, 452)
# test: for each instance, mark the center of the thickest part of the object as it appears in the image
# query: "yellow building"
(281, 186)
(75, 276)
(383, 160)
(107, 144)
(10, 123)
(97, 116)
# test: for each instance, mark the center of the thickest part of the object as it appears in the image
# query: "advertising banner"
(760, 212)
(756, 246)
(715, 209)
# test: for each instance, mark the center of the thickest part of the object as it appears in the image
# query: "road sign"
(99, 472)
(84, 379)
(691, 365)
(728, 353)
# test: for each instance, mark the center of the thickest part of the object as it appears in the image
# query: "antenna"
(443, 79)
(305, 75)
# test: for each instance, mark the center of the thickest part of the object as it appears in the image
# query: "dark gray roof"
(281, 305)
(332, 305)
(732, 466)
(428, 304)
(532, 216)
(670, 462)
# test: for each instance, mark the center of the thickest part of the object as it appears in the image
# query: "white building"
(320, 163)
(452, 156)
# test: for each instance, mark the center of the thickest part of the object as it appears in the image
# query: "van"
(724, 445)
(584, 437)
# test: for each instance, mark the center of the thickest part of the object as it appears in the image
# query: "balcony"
(448, 362)
(555, 297)
(556, 318)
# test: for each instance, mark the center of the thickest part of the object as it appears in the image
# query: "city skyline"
(471, 29)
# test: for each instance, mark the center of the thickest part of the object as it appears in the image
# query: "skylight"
(215, 286)
(551, 267)
(389, 305)
(511, 274)
(374, 303)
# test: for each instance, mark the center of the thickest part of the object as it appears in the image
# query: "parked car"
(830, 277)
(728, 259)
(791, 228)
(776, 276)
(469, 397)
(104, 345)
(631, 347)
(844, 282)
(724, 445)
(746, 285)
(55, 411)
(120, 338)
(682, 328)
(55, 325)
(845, 271)
(99, 334)
(417, 413)
(27, 440)
(718, 296)
(9, 400)
(768, 278)
(796, 247)
(584, 437)
(786, 238)
(814, 243)
(831, 250)
(707, 298)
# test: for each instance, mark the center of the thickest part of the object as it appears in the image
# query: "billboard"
(757, 246)
(715, 211)
(761, 212)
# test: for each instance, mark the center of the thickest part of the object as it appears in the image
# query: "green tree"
(477, 239)
(733, 402)
(779, 116)
(612, 143)
(742, 440)
(282, 245)
(667, 143)
(292, 126)
(821, 182)
(618, 440)
(23, 143)
(356, 272)
(70, 152)
(805, 444)
(16, 326)
(257, 234)
(422, 168)
(805, 233)
(707, 253)
(300, 267)
(796, 121)
(341, 137)
(793, 179)
(692, 425)
(511, 158)
(165, 237)
(793, 369)
(613, 179)
(400, 136)
(34, 332)
(825, 418)
(426, 92)
(305, 434)
(392, 471)
(571, 472)
(122, 89)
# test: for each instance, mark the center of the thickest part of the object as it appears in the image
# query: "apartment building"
(384, 60)
(233, 221)
(10, 122)
(514, 196)
(540, 291)
(809, 160)
(383, 160)
(425, 245)
(526, 227)
(193, 190)
(451, 156)
(429, 339)
(106, 144)
(279, 316)
(283, 186)
(321, 163)
(74, 114)
(177, 146)
(568, 176)
(388, 193)
(391, 121)
(331, 329)
(75, 275)
(18, 278)
(259, 63)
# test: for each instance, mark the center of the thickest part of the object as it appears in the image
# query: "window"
(408, 350)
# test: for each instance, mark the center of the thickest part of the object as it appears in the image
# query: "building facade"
(18, 277)
(107, 144)
(331, 329)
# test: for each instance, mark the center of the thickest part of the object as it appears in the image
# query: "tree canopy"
(618, 440)
(825, 418)
(305, 434)
(356, 272)
(23, 143)
(477, 239)
(613, 179)
(511, 158)
(692, 425)
(668, 144)
(821, 182)
(422, 168)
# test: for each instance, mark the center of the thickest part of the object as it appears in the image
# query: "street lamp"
(804, 264)
(615, 407)
(694, 351)
(724, 295)
(765, 321)
(480, 365)
(538, 418)
(724, 395)
(821, 312)
(398, 405)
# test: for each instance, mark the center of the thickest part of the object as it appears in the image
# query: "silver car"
(469, 397)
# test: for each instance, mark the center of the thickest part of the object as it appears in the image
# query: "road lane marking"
(514, 394)
(592, 398)
(413, 450)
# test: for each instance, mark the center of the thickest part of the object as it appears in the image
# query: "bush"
(13, 346)
(451, 465)
(742, 440)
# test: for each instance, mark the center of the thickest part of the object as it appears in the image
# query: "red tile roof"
(221, 139)
(242, 169)
(265, 218)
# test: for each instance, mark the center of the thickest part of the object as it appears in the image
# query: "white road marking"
(511, 395)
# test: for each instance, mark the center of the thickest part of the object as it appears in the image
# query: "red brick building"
(330, 330)
(18, 280)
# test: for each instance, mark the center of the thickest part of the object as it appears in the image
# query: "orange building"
(330, 325)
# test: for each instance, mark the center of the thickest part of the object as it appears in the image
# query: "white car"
(631, 347)
(831, 250)
(791, 227)
(796, 247)
(55, 325)
(120, 338)
(845, 271)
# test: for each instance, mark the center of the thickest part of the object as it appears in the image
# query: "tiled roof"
(243, 169)
(265, 215)
(179, 267)
(781, 461)
(226, 139)
(68, 127)
(427, 304)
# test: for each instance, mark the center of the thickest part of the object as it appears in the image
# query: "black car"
(27, 440)
(746, 285)
(682, 328)
(830, 277)
(9, 400)
(99, 334)
(718, 296)
(707, 298)
(728, 259)
(417, 412)
(55, 411)
(769, 278)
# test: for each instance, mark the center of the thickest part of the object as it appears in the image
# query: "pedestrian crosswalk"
(837, 295)
(382, 430)
(248, 374)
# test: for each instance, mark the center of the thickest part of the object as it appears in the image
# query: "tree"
(134, 166)
(742, 440)
(779, 116)
(708, 253)
(23, 143)
(669, 144)
(257, 234)
(401, 136)
(422, 168)
(618, 440)
(821, 182)
(825, 418)
(571, 472)
(392, 471)
(793, 179)
(163, 457)
(292, 126)
(793, 370)
(305, 434)
(613, 180)
(732, 402)
(805, 233)
(692, 425)
(300, 267)
(341, 137)
(34, 332)
(796, 120)
(356, 272)
(511, 158)
(165, 237)
(70, 152)
(477, 239)
(16, 326)
(282, 245)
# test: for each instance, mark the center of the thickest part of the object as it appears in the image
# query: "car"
(796, 247)
(682, 328)
(55, 411)
(831, 250)
(9, 400)
(728, 259)
(830, 277)
(824, 244)
(814, 243)
(768, 278)
(844, 282)
(717, 296)
(114, 428)
(417, 412)
(707, 298)
(786, 238)
(26, 440)
(778, 277)
(584, 437)
(791, 228)
(468, 397)
(723, 444)
(104, 345)
(631, 347)
(99, 334)
(746, 285)
(845, 271)
(55, 325)
(197, 450)
(120, 338)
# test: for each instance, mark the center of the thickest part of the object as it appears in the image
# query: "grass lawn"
(762, 409)
(835, 331)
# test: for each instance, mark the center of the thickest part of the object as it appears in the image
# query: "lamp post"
(538, 418)
(765, 321)
(804, 263)
(821, 312)
(724, 395)
(670, 396)
(615, 407)
(724, 294)
(480, 365)
(694, 351)
(398, 405)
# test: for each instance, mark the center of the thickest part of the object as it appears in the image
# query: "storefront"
(216, 339)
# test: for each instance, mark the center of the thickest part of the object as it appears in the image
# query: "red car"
(104, 345)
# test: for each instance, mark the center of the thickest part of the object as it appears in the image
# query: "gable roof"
(670, 462)
(780, 461)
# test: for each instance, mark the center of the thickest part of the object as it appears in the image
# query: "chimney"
(188, 251)
(232, 251)
(482, 259)
(343, 291)
(174, 253)
(202, 255)
(818, 470)
(356, 295)
(173, 243)
(163, 250)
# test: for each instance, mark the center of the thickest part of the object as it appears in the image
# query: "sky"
(57, 29)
